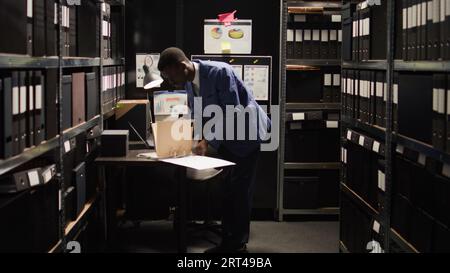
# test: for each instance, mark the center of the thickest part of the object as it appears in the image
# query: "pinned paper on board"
(227, 18)
(235, 37)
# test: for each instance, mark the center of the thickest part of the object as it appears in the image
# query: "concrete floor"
(266, 237)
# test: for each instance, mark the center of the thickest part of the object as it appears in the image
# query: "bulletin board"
(254, 71)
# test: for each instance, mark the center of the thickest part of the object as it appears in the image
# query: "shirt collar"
(196, 80)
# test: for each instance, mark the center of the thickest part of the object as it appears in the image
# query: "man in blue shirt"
(218, 86)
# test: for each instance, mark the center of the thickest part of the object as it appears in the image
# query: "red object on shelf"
(227, 18)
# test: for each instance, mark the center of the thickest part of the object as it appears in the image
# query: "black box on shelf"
(115, 143)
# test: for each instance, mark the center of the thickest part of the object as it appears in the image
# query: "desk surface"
(130, 159)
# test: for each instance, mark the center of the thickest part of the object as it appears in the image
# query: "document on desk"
(199, 162)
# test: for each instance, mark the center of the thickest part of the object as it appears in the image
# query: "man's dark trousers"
(238, 197)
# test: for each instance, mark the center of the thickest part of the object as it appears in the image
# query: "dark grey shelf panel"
(71, 62)
(112, 62)
(373, 130)
(311, 62)
(370, 65)
(19, 61)
(318, 211)
(32, 153)
(401, 242)
(109, 114)
(423, 148)
(359, 200)
(313, 106)
(422, 66)
(73, 132)
(114, 2)
(325, 4)
(313, 166)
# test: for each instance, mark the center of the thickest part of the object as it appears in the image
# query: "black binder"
(92, 96)
(336, 88)
(15, 112)
(350, 93)
(378, 39)
(443, 28)
(21, 181)
(365, 34)
(436, 31)
(73, 29)
(298, 47)
(422, 30)
(430, 30)
(80, 182)
(88, 30)
(13, 25)
(30, 28)
(373, 98)
(379, 91)
(51, 28)
(405, 28)
(5, 118)
(29, 115)
(324, 44)
(307, 44)
(22, 110)
(395, 102)
(448, 117)
(315, 44)
(355, 40)
(327, 88)
(39, 27)
(333, 44)
(439, 117)
(447, 37)
(51, 102)
(290, 43)
(39, 107)
(66, 102)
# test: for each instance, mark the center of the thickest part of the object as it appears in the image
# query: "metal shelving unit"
(20, 61)
(370, 65)
(299, 65)
(8, 61)
(312, 106)
(392, 138)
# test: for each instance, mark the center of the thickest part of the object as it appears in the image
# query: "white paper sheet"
(256, 77)
(238, 69)
(199, 162)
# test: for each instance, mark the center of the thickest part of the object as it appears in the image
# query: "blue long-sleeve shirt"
(219, 85)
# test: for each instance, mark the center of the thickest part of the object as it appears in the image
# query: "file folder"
(448, 115)
(379, 91)
(51, 104)
(405, 29)
(336, 88)
(6, 133)
(324, 44)
(439, 117)
(78, 99)
(22, 110)
(443, 28)
(29, 27)
(15, 112)
(66, 102)
(298, 48)
(88, 34)
(73, 29)
(80, 182)
(39, 108)
(29, 114)
(51, 28)
(430, 30)
(290, 43)
(327, 88)
(92, 96)
(395, 102)
(436, 31)
(13, 16)
(315, 44)
(39, 27)
(307, 44)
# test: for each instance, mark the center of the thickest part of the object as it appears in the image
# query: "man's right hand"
(201, 148)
